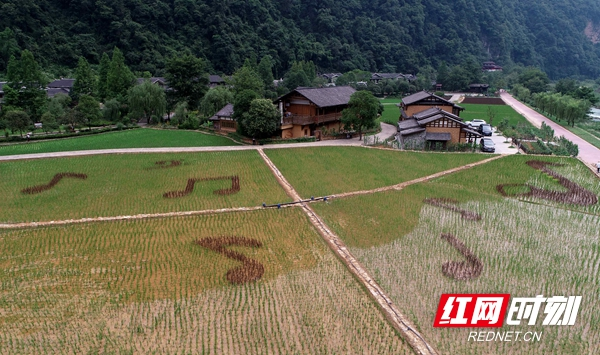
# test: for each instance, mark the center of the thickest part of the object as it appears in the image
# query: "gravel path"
(589, 154)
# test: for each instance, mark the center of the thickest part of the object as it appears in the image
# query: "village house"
(215, 80)
(160, 81)
(2, 83)
(223, 120)
(308, 111)
(427, 119)
(60, 86)
(424, 100)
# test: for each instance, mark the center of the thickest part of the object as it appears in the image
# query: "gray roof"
(422, 95)
(153, 80)
(441, 136)
(2, 83)
(330, 75)
(410, 131)
(215, 79)
(472, 131)
(51, 92)
(407, 124)
(378, 76)
(226, 111)
(62, 83)
(435, 113)
(326, 97)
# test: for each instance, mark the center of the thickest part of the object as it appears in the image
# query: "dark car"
(487, 145)
(485, 129)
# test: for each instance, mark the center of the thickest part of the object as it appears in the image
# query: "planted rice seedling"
(123, 185)
(329, 170)
(149, 287)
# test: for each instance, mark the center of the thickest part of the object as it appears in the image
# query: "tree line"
(377, 36)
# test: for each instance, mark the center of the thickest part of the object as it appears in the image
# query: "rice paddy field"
(264, 281)
(135, 138)
(148, 287)
(527, 246)
(329, 170)
(133, 184)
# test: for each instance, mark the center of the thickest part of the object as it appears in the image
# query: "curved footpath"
(387, 131)
(589, 154)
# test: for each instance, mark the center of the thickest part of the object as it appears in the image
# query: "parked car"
(487, 145)
(475, 123)
(485, 129)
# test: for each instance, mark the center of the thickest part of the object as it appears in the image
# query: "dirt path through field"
(397, 319)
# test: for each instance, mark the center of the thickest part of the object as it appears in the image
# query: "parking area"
(501, 147)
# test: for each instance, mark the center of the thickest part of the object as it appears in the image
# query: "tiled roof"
(326, 97)
(226, 111)
(62, 83)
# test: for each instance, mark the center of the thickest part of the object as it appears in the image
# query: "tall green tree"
(361, 113)
(247, 86)
(26, 78)
(534, 79)
(265, 71)
(214, 100)
(118, 78)
(103, 69)
(17, 120)
(85, 82)
(88, 110)
(187, 78)
(147, 100)
(262, 119)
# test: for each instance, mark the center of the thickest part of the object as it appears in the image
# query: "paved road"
(589, 154)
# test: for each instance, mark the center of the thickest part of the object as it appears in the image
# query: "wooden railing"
(304, 120)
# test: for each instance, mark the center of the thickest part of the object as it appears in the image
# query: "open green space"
(473, 111)
(527, 246)
(329, 170)
(136, 138)
(391, 113)
(145, 287)
(133, 184)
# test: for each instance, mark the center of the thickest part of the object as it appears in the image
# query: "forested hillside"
(374, 35)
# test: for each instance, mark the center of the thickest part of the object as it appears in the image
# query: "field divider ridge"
(128, 218)
(404, 184)
(391, 313)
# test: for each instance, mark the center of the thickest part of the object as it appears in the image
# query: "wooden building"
(433, 126)
(223, 120)
(306, 111)
(424, 100)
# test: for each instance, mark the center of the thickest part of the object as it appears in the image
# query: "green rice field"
(134, 138)
(473, 111)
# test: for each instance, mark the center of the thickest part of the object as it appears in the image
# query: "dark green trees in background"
(187, 78)
(102, 75)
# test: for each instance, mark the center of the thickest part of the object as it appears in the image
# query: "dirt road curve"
(589, 154)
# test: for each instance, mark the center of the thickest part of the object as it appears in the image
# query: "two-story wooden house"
(306, 111)
(430, 119)
(424, 100)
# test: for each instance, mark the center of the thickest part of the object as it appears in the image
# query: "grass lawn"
(527, 246)
(132, 184)
(329, 170)
(585, 135)
(391, 112)
(135, 138)
(145, 287)
(473, 111)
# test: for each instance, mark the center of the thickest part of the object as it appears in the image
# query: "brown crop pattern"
(250, 270)
(461, 270)
(576, 194)
(235, 187)
(55, 180)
